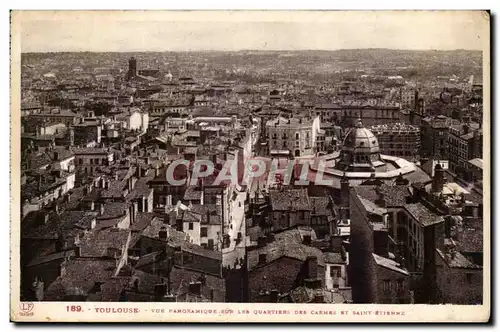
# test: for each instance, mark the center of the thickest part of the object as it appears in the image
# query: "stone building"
(293, 135)
(400, 140)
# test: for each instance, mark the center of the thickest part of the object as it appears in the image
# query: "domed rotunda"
(360, 152)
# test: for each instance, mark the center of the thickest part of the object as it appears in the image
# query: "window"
(386, 285)
(297, 136)
(335, 274)
(210, 244)
(204, 232)
(399, 285)
(190, 226)
(186, 258)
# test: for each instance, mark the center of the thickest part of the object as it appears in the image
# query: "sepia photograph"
(225, 166)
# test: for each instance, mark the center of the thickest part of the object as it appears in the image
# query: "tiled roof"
(422, 214)
(80, 276)
(319, 206)
(389, 264)
(457, 260)
(286, 244)
(97, 243)
(333, 258)
(149, 259)
(67, 222)
(142, 221)
(181, 277)
(37, 160)
(51, 257)
(289, 199)
(394, 195)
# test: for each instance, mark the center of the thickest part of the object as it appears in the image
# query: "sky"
(129, 31)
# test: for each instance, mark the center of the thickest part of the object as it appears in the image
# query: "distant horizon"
(239, 31)
(268, 50)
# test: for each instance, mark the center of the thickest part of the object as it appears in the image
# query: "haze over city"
(237, 30)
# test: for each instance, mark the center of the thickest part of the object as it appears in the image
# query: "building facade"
(400, 140)
(295, 135)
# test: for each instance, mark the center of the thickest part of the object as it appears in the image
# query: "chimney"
(163, 233)
(261, 241)
(319, 297)
(381, 243)
(67, 198)
(312, 267)
(56, 208)
(344, 191)
(56, 155)
(336, 243)
(140, 205)
(92, 205)
(438, 180)
(195, 288)
(262, 259)
(77, 252)
(101, 209)
(38, 289)
(269, 237)
(465, 128)
(273, 296)
(448, 223)
(160, 291)
(380, 201)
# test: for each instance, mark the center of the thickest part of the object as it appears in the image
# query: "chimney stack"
(163, 233)
(195, 288)
(261, 241)
(160, 291)
(380, 201)
(312, 267)
(344, 191)
(438, 180)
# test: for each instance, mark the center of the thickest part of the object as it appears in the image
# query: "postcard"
(250, 166)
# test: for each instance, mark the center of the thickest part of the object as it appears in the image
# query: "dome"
(360, 151)
(360, 139)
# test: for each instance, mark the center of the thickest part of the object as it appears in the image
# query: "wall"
(194, 234)
(394, 294)
(342, 280)
(213, 232)
(282, 274)
(361, 269)
(458, 285)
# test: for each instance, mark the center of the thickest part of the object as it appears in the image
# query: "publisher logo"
(26, 307)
